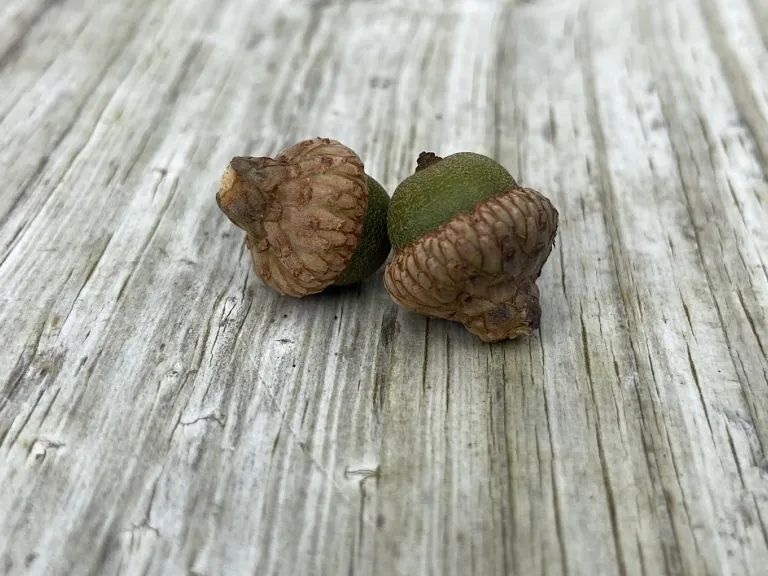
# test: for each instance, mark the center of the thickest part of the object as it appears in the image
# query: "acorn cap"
(303, 212)
(480, 267)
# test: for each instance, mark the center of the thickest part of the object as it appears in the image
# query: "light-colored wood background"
(161, 412)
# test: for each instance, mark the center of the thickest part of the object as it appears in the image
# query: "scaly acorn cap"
(303, 212)
(480, 265)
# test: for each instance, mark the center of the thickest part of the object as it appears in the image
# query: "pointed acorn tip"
(426, 159)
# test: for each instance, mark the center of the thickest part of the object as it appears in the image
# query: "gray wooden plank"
(162, 412)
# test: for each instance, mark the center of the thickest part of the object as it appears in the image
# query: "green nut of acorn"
(469, 244)
(312, 217)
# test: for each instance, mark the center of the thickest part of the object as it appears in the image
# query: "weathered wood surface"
(161, 412)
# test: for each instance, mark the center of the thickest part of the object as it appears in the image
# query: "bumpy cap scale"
(303, 212)
(480, 266)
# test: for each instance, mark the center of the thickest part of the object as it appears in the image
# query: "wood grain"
(162, 412)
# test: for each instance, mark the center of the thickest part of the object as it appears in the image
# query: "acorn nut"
(469, 244)
(312, 216)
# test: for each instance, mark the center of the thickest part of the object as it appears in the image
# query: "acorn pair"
(469, 242)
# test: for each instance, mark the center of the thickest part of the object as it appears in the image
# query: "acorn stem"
(426, 159)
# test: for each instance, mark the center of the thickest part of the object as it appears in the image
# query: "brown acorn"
(469, 245)
(312, 216)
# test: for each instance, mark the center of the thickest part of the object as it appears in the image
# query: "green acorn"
(469, 245)
(312, 216)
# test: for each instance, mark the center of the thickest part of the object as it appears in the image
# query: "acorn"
(469, 244)
(313, 218)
